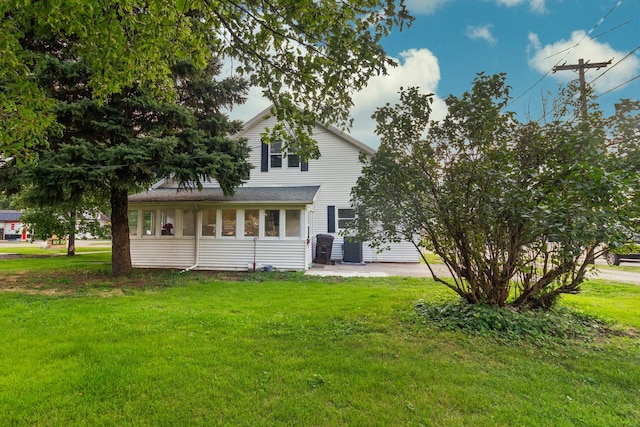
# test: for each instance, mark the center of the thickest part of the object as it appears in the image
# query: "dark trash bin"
(324, 244)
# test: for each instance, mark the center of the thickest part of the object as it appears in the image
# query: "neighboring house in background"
(272, 220)
(104, 222)
(10, 226)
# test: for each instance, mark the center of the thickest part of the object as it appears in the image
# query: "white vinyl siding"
(336, 171)
(163, 253)
(225, 252)
(219, 254)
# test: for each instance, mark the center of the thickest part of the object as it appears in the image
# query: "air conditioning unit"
(352, 251)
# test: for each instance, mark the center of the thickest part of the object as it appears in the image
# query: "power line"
(591, 38)
(597, 24)
(619, 86)
(616, 64)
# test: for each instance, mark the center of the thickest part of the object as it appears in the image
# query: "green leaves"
(308, 56)
(516, 211)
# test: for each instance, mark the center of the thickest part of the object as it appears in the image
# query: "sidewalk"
(384, 269)
(377, 269)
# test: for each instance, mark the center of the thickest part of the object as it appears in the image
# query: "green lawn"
(268, 349)
(38, 248)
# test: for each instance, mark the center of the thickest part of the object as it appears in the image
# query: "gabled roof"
(10, 216)
(299, 195)
(266, 113)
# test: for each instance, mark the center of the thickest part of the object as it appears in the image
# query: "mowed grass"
(270, 349)
(39, 248)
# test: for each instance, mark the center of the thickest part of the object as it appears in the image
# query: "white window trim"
(239, 225)
(338, 218)
(301, 227)
(200, 222)
(263, 216)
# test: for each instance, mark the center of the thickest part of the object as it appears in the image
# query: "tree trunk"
(71, 244)
(120, 245)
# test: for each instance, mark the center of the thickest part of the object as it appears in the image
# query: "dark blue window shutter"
(304, 166)
(331, 218)
(264, 161)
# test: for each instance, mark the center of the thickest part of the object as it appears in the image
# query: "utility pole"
(580, 67)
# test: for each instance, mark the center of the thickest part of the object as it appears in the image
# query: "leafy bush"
(626, 249)
(509, 325)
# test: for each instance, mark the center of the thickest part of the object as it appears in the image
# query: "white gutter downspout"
(198, 228)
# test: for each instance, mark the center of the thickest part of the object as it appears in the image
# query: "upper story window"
(276, 155)
(292, 160)
(273, 157)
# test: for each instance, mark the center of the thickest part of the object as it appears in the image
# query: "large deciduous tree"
(309, 56)
(515, 210)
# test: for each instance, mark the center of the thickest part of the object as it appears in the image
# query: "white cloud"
(424, 7)
(537, 6)
(255, 103)
(416, 67)
(579, 46)
(482, 32)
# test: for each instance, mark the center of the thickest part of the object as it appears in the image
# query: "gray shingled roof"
(6, 215)
(243, 194)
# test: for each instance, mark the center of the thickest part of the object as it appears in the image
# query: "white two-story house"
(272, 220)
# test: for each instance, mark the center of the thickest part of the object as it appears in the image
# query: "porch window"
(292, 221)
(346, 218)
(209, 222)
(168, 221)
(228, 222)
(272, 223)
(251, 222)
(149, 223)
(188, 222)
(133, 223)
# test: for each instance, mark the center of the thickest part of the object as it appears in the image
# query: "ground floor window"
(133, 223)
(188, 222)
(149, 223)
(209, 222)
(251, 222)
(228, 222)
(168, 220)
(292, 221)
(272, 223)
(241, 223)
(346, 218)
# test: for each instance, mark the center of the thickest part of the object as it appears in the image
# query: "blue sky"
(452, 40)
